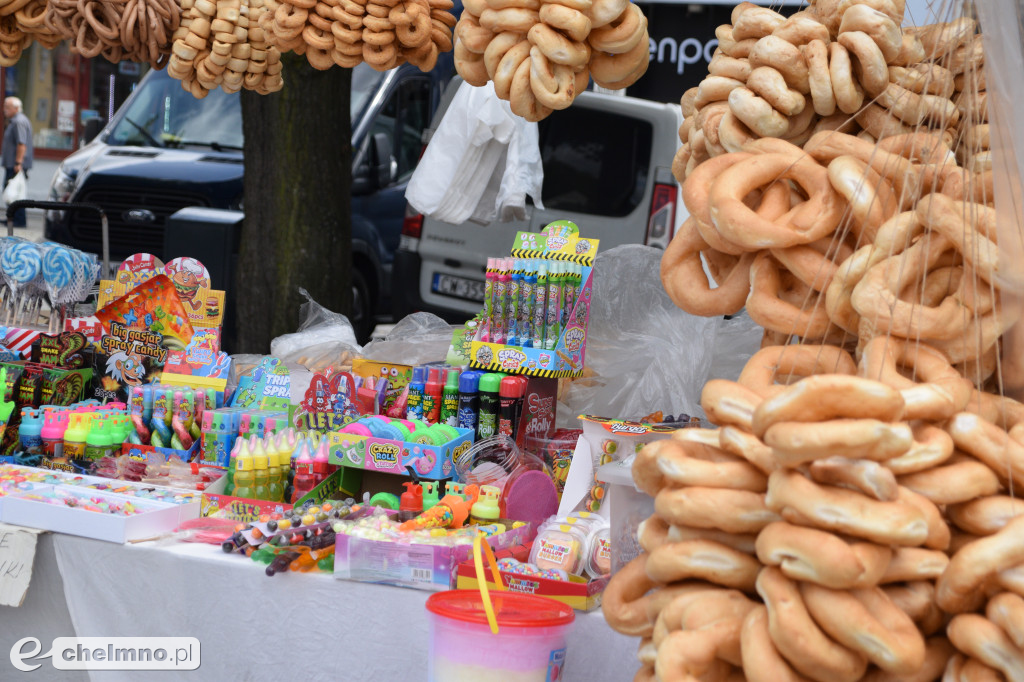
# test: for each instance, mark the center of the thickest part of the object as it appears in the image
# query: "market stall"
(844, 508)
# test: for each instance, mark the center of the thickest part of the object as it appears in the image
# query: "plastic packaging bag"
(481, 162)
(324, 339)
(643, 353)
(16, 190)
(416, 339)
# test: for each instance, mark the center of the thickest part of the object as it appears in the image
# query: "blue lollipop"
(58, 269)
(21, 262)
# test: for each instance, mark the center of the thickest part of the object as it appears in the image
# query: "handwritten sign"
(17, 554)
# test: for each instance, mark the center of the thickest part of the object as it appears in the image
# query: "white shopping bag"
(16, 190)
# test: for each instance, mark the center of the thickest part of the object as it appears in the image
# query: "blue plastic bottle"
(414, 403)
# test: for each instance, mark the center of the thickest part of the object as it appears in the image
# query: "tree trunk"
(298, 174)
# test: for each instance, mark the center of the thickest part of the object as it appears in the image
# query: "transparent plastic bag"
(644, 354)
(324, 339)
(416, 339)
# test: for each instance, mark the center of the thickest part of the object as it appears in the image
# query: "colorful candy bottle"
(261, 477)
(304, 479)
(30, 433)
(232, 464)
(432, 391)
(276, 474)
(321, 463)
(450, 398)
(55, 422)
(77, 432)
(414, 401)
(245, 474)
(98, 441)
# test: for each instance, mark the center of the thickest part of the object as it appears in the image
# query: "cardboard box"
(242, 509)
(581, 593)
(342, 484)
(157, 519)
(398, 376)
(392, 456)
(410, 564)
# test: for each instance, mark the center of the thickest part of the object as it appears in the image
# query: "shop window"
(594, 161)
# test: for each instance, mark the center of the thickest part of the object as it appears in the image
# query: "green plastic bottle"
(450, 398)
(98, 441)
(245, 474)
(261, 463)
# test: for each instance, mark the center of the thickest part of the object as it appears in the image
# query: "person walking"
(16, 150)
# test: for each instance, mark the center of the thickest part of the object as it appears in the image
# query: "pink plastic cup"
(530, 644)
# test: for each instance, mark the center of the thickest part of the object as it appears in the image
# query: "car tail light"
(412, 223)
(661, 223)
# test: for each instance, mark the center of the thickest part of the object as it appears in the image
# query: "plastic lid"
(434, 377)
(490, 383)
(560, 546)
(419, 374)
(451, 378)
(511, 609)
(513, 387)
(469, 382)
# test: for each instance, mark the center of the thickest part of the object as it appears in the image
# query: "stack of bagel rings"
(135, 30)
(844, 520)
(20, 24)
(221, 44)
(823, 221)
(540, 54)
(382, 33)
(838, 175)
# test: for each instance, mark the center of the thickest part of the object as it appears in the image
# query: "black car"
(164, 150)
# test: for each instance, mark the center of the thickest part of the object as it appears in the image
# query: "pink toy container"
(530, 644)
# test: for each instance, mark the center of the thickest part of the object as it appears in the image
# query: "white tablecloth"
(288, 627)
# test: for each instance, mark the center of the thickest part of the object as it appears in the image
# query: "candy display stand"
(565, 359)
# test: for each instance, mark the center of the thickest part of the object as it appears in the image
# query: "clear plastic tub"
(530, 645)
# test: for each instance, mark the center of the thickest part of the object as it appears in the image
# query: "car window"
(403, 118)
(595, 162)
(162, 114)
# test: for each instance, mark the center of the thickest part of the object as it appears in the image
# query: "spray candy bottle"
(498, 309)
(450, 398)
(484, 333)
(540, 299)
(514, 285)
(554, 313)
(526, 303)
(414, 401)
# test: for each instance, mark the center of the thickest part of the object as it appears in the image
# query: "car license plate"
(459, 287)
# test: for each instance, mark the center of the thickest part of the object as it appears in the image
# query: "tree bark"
(297, 230)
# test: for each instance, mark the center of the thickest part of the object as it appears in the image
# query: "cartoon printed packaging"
(555, 251)
(126, 358)
(201, 304)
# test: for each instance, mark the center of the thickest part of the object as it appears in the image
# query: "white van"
(607, 167)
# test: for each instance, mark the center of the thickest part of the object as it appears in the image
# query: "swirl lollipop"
(21, 264)
(59, 265)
